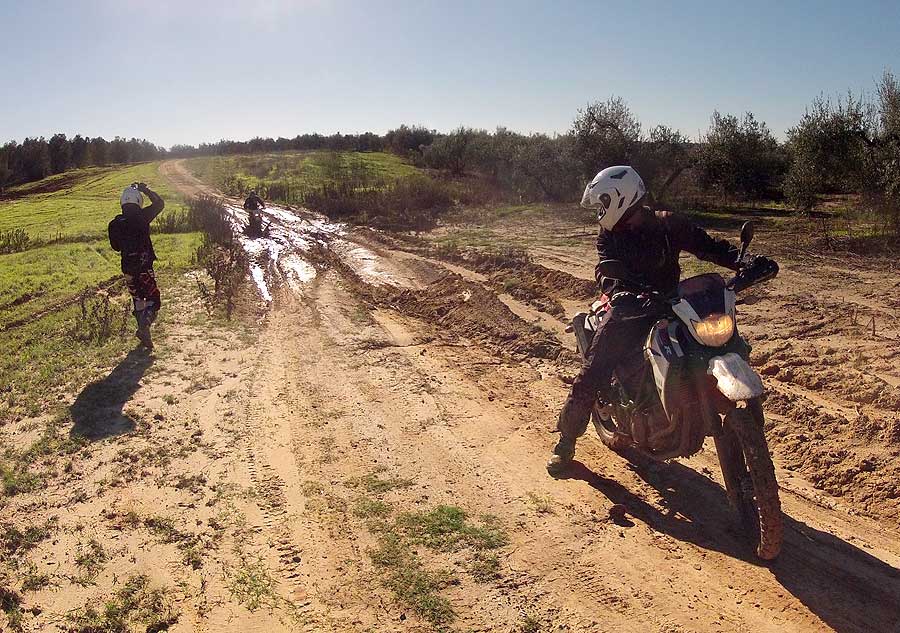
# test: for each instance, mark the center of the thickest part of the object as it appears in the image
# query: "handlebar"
(756, 271)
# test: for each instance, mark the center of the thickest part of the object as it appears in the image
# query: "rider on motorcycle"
(253, 204)
(646, 244)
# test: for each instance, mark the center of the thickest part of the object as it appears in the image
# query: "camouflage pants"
(145, 295)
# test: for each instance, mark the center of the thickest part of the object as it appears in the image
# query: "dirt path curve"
(366, 417)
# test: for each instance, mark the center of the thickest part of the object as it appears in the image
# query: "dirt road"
(346, 392)
(303, 458)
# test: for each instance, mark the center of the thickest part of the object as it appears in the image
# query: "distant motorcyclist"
(252, 205)
(638, 251)
(129, 233)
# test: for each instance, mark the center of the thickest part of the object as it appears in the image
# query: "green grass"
(90, 559)
(446, 528)
(441, 529)
(78, 204)
(285, 176)
(412, 583)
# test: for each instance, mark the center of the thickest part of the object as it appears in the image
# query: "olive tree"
(740, 158)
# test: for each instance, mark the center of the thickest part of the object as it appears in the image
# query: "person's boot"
(144, 318)
(563, 454)
(143, 335)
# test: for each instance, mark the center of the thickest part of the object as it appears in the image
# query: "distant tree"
(547, 167)
(60, 153)
(454, 151)
(740, 158)
(661, 158)
(406, 139)
(81, 151)
(100, 151)
(119, 151)
(6, 172)
(605, 133)
(830, 149)
(35, 159)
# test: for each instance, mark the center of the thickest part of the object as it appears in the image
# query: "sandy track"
(337, 392)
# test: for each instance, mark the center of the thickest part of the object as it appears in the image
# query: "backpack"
(118, 232)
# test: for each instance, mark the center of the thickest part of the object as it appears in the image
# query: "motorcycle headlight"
(715, 330)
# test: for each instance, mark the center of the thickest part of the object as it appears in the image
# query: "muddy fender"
(735, 378)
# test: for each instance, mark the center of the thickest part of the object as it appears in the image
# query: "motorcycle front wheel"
(750, 477)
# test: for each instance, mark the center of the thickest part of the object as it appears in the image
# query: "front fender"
(735, 378)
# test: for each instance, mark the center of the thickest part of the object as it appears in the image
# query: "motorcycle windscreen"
(705, 294)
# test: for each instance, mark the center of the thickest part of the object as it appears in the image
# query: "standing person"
(129, 234)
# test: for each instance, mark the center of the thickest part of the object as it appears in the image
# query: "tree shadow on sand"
(846, 587)
(97, 411)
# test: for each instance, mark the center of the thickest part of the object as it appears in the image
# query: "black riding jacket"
(651, 253)
(137, 253)
(253, 202)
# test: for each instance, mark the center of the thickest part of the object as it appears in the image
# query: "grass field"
(286, 176)
(66, 218)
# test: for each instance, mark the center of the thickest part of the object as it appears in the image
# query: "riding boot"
(563, 454)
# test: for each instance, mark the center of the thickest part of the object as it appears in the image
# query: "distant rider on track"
(129, 233)
(647, 244)
(252, 205)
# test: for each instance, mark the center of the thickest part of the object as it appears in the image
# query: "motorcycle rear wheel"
(750, 477)
(609, 434)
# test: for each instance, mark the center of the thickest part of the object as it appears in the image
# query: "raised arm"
(156, 203)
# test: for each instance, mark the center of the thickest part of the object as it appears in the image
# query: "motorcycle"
(692, 380)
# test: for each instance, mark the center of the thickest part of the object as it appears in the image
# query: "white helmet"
(131, 195)
(612, 192)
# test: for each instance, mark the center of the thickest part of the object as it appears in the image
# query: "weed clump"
(442, 529)
(136, 604)
(411, 582)
(14, 241)
(445, 528)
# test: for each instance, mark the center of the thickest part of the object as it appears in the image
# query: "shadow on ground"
(849, 589)
(97, 411)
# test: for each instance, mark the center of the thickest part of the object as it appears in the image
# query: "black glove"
(757, 270)
(143, 188)
(763, 266)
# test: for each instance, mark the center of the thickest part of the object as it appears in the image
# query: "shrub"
(100, 319)
(13, 241)
(740, 158)
(413, 202)
(174, 222)
(220, 254)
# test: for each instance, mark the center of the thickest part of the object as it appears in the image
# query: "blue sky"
(187, 71)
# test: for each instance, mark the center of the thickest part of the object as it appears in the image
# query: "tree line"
(843, 145)
(37, 158)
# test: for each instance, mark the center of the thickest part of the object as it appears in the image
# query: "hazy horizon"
(192, 72)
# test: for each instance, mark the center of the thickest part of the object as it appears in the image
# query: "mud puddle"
(288, 255)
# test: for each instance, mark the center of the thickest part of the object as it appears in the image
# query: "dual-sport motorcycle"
(691, 380)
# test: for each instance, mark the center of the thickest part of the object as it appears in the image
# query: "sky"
(191, 71)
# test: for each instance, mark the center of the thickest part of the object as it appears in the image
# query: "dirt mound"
(855, 459)
(516, 264)
(468, 309)
(842, 374)
(510, 271)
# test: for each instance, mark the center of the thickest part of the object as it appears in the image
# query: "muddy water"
(285, 256)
